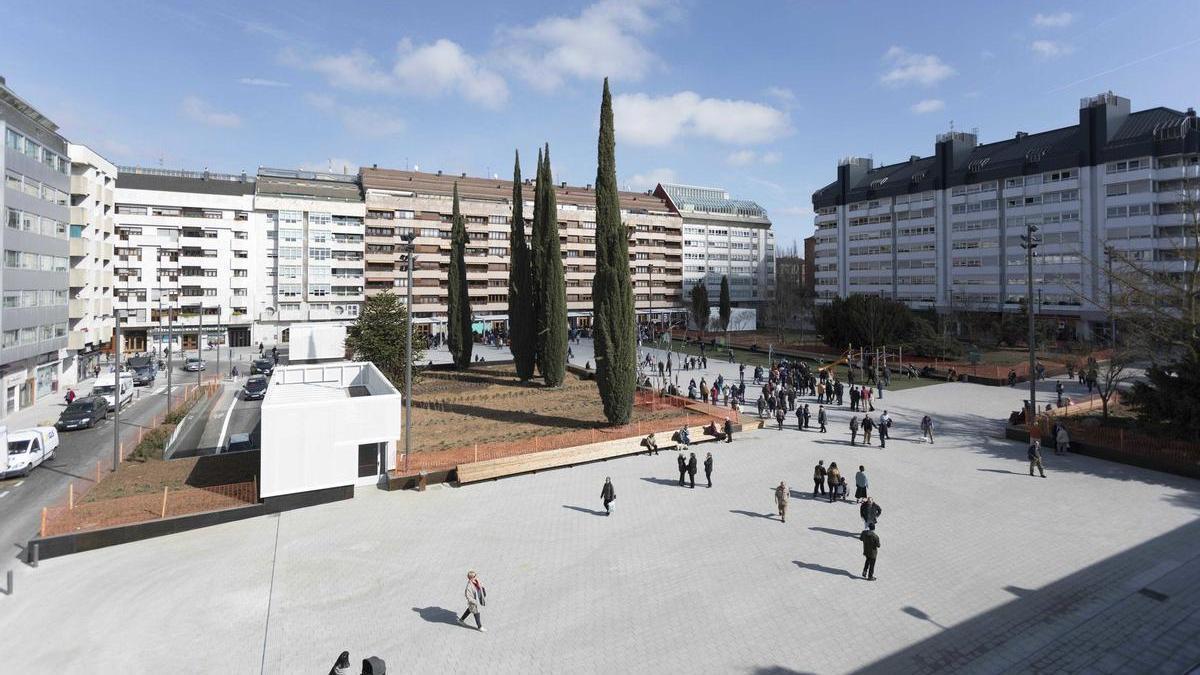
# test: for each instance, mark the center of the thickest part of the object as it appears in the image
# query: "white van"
(106, 386)
(28, 448)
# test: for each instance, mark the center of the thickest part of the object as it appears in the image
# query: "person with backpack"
(476, 596)
(870, 542)
(870, 512)
(1035, 457)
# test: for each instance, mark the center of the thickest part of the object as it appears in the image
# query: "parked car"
(239, 443)
(28, 448)
(255, 388)
(194, 364)
(144, 374)
(83, 413)
(264, 366)
(106, 387)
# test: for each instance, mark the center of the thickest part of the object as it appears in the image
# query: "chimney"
(912, 159)
(1020, 135)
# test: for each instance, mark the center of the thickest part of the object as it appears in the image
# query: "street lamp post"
(1112, 317)
(117, 394)
(410, 251)
(1029, 242)
(199, 353)
(170, 344)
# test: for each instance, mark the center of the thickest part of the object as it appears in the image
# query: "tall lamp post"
(1112, 317)
(117, 394)
(410, 254)
(1029, 242)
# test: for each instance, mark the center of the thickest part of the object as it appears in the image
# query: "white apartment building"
(309, 238)
(90, 308)
(724, 237)
(35, 204)
(183, 258)
(943, 231)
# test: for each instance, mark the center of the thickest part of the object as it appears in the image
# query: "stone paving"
(982, 569)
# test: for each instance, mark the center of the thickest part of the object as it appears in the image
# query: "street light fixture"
(409, 249)
(1029, 242)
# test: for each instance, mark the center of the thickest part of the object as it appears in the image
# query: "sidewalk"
(45, 411)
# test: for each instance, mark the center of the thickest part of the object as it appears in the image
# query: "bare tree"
(1110, 376)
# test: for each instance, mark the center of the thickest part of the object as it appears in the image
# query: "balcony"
(81, 247)
(78, 308)
(81, 278)
(77, 215)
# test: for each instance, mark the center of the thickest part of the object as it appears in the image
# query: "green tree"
(552, 309)
(725, 307)
(612, 292)
(700, 306)
(865, 321)
(537, 285)
(1166, 400)
(522, 340)
(378, 336)
(458, 315)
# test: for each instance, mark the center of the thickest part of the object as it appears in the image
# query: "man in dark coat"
(708, 464)
(1035, 457)
(819, 478)
(608, 494)
(840, 390)
(821, 417)
(691, 469)
(853, 428)
(854, 398)
(682, 469)
(728, 431)
(870, 542)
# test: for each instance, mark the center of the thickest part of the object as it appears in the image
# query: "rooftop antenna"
(951, 126)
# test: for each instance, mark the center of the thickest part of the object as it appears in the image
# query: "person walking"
(608, 495)
(927, 428)
(807, 415)
(728, 430)
(853, 398)
(682, 469)
(870, 542)
(1062, 440)
(708, 464)
(781, 501)
(860, 485)
(870, 512)
(799, 418)
(1035, 457)
(476, 596)
(821, 417)
(853, 428)
(867, 425)
(819, 478)
(833, 477)
(691, 469)
(779, 413)
(884, 423)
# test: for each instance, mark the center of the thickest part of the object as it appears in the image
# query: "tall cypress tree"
(725, 308)
(536, 260)
(458, 316)
(520, 319)
(552, 310)
(613, 321)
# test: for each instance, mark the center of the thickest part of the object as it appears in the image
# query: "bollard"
(164, 504)
(34, 554)
(10, 582)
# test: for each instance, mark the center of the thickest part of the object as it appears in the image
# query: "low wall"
(77, 542)
(1145, 457)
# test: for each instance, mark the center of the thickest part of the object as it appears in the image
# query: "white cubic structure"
(328, 425)
(317, 342)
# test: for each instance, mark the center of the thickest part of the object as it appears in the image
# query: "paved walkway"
(983, 569)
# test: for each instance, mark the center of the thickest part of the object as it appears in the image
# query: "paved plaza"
(982, 568)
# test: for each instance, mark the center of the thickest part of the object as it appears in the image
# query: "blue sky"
(761, 98)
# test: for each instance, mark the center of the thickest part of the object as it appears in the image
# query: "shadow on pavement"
(827, 570)
(839, 533)
(1015, 473)
(437, 615)
(918, 614)
(583, 509)
(768, 516)
(662, 481)
(779, 670)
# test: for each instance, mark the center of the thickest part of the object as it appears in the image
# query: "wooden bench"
(489, 469)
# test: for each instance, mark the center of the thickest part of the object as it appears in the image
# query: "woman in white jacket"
(476, 596)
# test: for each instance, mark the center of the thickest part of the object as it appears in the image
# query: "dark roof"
(1155, 131)
(139, 178)
(307, 184)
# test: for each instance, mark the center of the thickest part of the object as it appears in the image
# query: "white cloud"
(1058, 20)
(649, 179)
(928, 105)
(442, 67)
(749, 157)
(261, 82)
(794, 211)
(356, 71)
(438, 68)
(331, 165)
(647, 120)
(197, 110)
(781, 94)
(604, 40)
(1049, 49)
(360, 121)
(909, 68)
